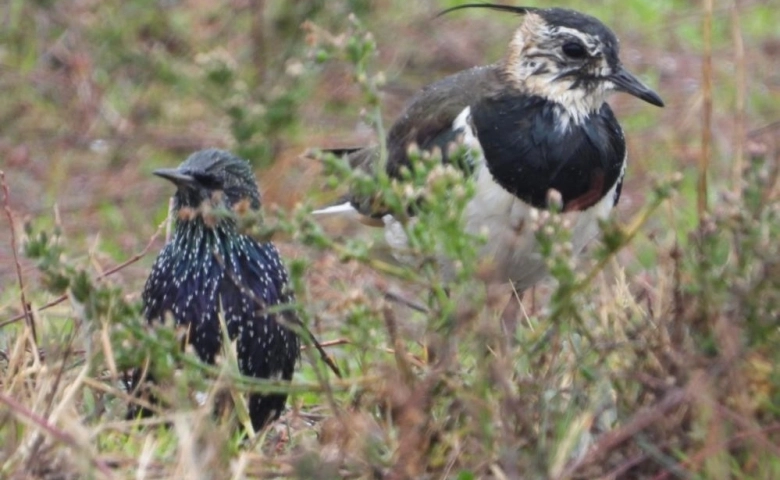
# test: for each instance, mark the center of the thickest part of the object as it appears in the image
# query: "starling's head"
(212, 179)
(569, 58)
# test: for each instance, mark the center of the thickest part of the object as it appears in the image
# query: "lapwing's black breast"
(529, 152)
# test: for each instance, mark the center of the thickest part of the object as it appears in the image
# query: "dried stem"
(706, 120)
(257, 13)
(26, 313)
(330, 343)
(398, 348)
(740, 76)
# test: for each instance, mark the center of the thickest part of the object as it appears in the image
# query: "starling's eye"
(207, 181)
(574, 50)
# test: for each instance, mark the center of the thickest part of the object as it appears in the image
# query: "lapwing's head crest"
(567, 57)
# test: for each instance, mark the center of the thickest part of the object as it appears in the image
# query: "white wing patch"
(339, 209)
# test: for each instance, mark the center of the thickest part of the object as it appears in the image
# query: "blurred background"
(98, 93)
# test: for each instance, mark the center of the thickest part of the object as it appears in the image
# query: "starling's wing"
(184, 283)
(427, 123)
(265, 347)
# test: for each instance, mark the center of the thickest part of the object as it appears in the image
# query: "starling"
(210, 270)
(535, 121)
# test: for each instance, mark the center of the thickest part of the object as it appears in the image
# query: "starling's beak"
(176, 176)
(625, 81)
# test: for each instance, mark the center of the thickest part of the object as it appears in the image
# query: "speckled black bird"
(536, 121)
(209, 269)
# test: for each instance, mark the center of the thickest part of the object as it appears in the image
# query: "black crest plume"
(490, 6)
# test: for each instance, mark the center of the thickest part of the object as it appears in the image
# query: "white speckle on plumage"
(195, 262)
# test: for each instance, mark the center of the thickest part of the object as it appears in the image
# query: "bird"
(210, 270)
(534, 122)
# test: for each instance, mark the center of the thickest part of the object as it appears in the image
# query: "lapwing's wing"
(426, 123)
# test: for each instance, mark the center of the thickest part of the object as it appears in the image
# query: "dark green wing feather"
(426, 123)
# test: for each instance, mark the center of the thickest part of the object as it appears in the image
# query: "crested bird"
(536, 121)
(209, 270)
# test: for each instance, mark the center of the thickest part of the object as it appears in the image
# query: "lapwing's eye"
(574, 50)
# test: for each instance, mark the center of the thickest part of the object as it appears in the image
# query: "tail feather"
(339, 152)
(314, 153)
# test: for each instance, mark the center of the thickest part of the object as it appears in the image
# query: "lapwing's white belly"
(511, 249)
(508, 225)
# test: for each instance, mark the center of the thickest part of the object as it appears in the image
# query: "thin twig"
(706, 118)
(257, 33)
(129, 397)
(323, 354)
(330, 343)
(396, 297)
(416, 361)
(26, 313)
(764, 129)
(398, 349)
(623, 468)
(740, 76)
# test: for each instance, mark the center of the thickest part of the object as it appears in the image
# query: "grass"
(651, 357)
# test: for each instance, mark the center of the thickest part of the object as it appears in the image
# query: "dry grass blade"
(27, 314)
(28, 416)
(740, 74)
(706, 117)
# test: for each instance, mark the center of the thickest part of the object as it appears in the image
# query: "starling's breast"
(203, 272)
(530, 148)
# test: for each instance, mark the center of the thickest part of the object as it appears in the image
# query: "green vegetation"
(653, 356)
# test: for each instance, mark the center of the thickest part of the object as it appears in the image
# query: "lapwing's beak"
(176, 176)
(625, 81)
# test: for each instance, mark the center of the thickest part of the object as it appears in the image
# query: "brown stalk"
(739, 100)
(26, 313)
(257, 33)
(414, 430)
(330, 343)
(399, 351)
(706, 119)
